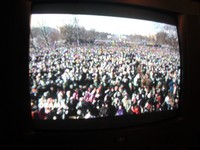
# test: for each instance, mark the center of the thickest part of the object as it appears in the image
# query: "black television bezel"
(109, 9)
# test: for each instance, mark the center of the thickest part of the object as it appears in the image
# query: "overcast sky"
(114, 25)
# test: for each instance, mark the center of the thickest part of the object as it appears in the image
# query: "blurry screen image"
(86, 66)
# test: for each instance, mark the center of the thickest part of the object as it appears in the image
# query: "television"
(90, 71)
(37, 51)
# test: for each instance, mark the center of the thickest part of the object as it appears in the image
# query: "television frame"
(118, 10)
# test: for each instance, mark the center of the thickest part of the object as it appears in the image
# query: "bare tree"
(43, 36)
(70, 32)
(172, 36)
(161, 38)
(169, 35)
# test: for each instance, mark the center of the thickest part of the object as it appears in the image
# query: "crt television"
(30, 46)
(97, 68)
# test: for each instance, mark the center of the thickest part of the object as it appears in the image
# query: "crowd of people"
(97, 81)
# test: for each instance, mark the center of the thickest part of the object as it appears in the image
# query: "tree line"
(74, 34)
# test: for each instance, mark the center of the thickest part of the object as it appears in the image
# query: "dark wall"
(176, 134)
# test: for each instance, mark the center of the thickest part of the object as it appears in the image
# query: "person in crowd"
(121, 110)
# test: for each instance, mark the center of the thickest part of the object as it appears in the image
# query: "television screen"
(95, 66)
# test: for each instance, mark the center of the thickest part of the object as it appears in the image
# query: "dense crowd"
(99, 81)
